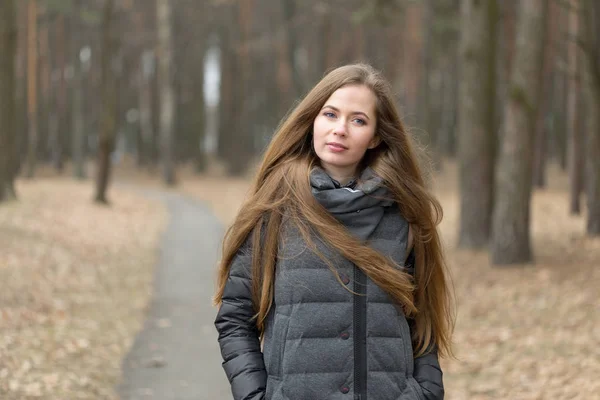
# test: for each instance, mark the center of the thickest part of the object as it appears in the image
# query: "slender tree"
(146, 73)
(8, 50)
(476, 121)
(575, 131)
(290, 18)
(591, 42)
(542, 132)
(59, 127)
(32, 61)
(108, 122)
(510, 242)
(78, 134)
(413, 17)
(167, 97)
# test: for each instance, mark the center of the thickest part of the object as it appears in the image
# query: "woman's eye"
(329, 114)
(359, 121)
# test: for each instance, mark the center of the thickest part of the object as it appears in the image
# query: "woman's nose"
(340, 129)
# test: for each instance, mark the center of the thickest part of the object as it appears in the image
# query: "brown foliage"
(76, 278)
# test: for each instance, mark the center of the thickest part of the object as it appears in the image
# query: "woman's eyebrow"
(353, 112)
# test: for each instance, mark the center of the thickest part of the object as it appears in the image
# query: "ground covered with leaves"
(76, 279)
(526, 332)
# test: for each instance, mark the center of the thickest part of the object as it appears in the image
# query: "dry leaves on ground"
(76, 278)
(526, 332)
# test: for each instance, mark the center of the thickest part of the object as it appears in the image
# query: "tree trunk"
(575, 131)
(78, 134)
(45, 70)
(243, 144)
(559, 94)
(476, 124)
(412, 58)
(167, 97)
(32, 59)
(541, 133)
(289, 12)
(155, 103)
(591, 24)
(510, 224)
(8, 50)
(57, 139)
(593, 156)
(236, 132)
(198, 114)
(227, 92)
(425, 108)
(109, 102)
(450, 104)
(145, 105)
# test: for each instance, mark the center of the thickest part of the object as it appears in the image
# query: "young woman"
(334, 263)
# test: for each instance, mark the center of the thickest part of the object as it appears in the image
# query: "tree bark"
(289, 13)
(167, 96)
(198, 114)
(541, 133)
(591, 24)
(145, 105)
(510, 223)
(8, 50)
(236, 137)
(425, 111)
(413, 43)
(227, 91)
(476, 124)
(559, 94)
(45, 70)
(32, 59)
(109, 103)
(78, 134)
(57, 138)
(593, 156)
(575, 131)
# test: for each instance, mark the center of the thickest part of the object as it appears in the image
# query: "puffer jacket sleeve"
(427, 369)
(428, 373)
(238, 336)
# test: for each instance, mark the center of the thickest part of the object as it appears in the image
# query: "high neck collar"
(359, 207)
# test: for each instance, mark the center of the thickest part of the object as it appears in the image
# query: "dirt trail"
(176, 355)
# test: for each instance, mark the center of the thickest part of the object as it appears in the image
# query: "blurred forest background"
(504, 96)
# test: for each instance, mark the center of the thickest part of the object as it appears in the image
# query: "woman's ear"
(376, 141)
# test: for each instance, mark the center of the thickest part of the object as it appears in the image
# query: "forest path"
(176, 355)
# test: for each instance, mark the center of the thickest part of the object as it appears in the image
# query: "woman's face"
(345, 129)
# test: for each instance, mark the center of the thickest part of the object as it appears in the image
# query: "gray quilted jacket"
(321, 341)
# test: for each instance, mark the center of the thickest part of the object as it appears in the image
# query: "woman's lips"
(336, 147)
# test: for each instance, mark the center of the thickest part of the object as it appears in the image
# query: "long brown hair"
(281, 188)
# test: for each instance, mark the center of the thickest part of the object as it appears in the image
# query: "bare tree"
(108, 123)
(289, 17)
(542, 132)
(575, 131)
(510, 224)
(413, 22)
(8, 50)
(591, 41)
(32, 60)
(78, 134)
(476, 121)
(167, 98)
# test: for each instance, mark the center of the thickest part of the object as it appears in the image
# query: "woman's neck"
(342, 176)
(343, 181)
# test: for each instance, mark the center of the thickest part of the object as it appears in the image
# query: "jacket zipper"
(360, 335)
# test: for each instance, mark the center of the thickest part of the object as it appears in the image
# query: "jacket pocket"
(279, 338)
(406, 343)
